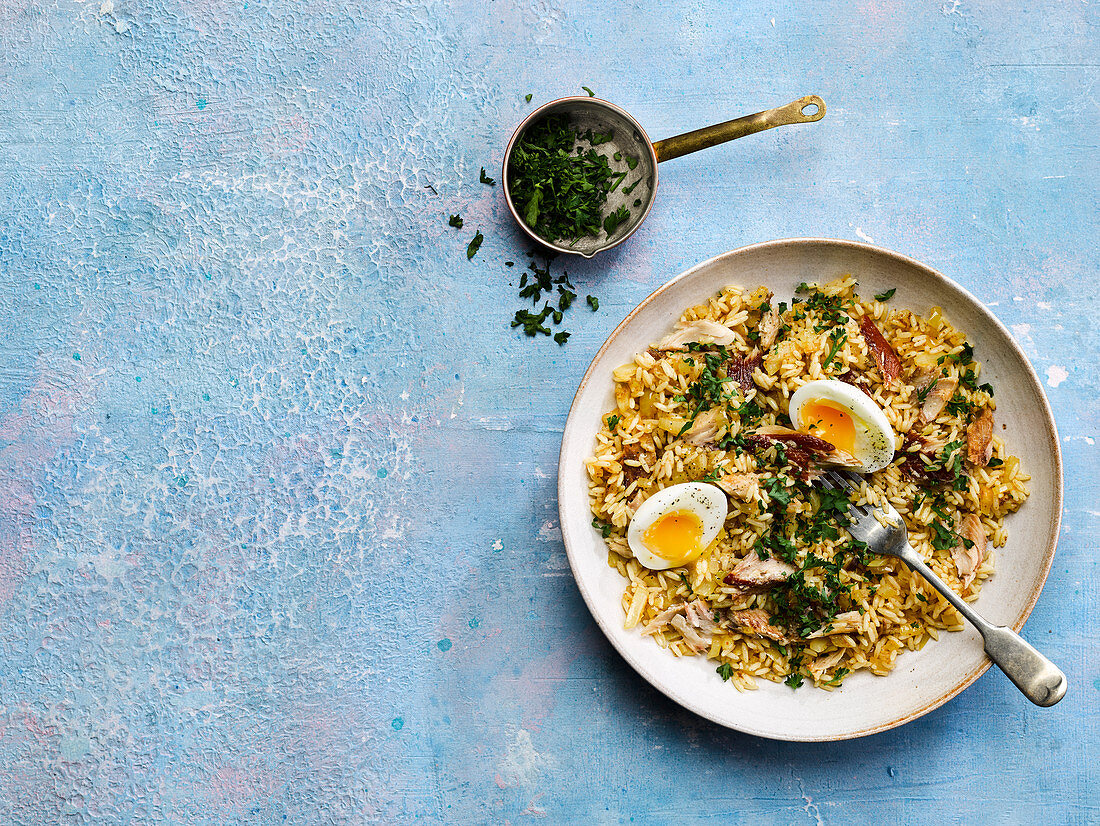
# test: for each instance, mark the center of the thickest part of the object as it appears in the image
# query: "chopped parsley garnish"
(456, 221)
(958, 405)
(886, 296)
(952, 459)
(612, 422)
(591, 94)
(561, 337)
(963, 357)
(829, 311)
(922, 394)
(794, 679)
(475, 245)
(709, 390)
(778, 491)
(485, 179)
(840, 674)
(593, 302)
(725, 671)
(597, 138)
(561, 192)
(801, 606)
(838, 336)
(614, 219)
(943, 537)
(603, 527)
(527, 98)
(750, 413)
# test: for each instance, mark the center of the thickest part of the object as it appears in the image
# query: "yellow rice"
(898, 610)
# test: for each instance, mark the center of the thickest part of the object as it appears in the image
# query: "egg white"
(707, 502)
(874, 443)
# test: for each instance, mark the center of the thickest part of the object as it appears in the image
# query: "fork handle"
(1040, 680)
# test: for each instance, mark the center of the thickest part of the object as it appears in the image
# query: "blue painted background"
(278, 529)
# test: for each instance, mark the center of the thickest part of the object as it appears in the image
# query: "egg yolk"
(675, 536)
(831, 423)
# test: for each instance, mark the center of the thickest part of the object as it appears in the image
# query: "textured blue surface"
(278, 529)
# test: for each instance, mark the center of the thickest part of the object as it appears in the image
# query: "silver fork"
(1038, 678)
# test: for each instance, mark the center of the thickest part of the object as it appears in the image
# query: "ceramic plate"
(922, 680)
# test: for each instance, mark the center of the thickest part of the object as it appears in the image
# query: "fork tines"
(842, 480)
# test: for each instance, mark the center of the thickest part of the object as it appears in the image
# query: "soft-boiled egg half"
(673, 526)
(847, 418)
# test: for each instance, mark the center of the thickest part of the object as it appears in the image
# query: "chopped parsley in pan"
(559, 187)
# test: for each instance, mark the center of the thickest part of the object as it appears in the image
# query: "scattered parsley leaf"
(612, 422)
(565, 299)
(474, 246)
(886, 296)
(725, 671)
(532, 323)
(527, 98)
(456, 221)
(485, 179)
(561, 337)
(591, 94)
(593, 302)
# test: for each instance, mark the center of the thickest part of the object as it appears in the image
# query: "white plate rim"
(1054, 526)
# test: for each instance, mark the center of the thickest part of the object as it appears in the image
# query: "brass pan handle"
(804, 110)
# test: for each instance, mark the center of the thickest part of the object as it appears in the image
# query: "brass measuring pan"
(630, 140)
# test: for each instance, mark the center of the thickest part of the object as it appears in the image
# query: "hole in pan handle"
(804, 110)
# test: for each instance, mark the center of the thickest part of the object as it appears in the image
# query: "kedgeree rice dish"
(703, 482)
